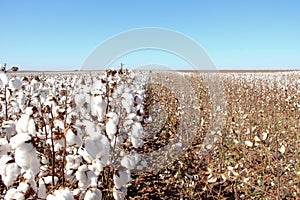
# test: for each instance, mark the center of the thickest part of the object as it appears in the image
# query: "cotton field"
(81, 135)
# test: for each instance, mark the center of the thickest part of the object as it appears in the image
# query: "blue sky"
(59, 35)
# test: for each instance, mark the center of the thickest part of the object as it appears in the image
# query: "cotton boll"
(119, 194)
(3, 79)
(93, 194)
(42, 189)
(98, 107)
(23, 187)
(4, 147)
(113, 116)
(85, 155)
(15, 83)
(65, 194)
(127, 101)
(136, 142)
(59, 123)
(74, 138)
(98, 147)
(22, 124)
(12, 171)
(48, 180)
(12, 193)
(19, 139)
(9, 129)
(82, 177)
(73, 161)
(31, 127)
(26, 157)
(121, 178)
(130, 161)
(111, 129)
(137, 130)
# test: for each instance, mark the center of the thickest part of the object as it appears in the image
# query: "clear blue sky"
(235, 34)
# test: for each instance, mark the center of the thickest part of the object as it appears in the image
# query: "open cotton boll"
(93, 194)
(59, 123)
(15, 83)
(4, 147)
(85, 155)
(12, 171)
(42, 189)
(111, 129)
(98, 107)
(8, 171)
(26, 157)
(74, 138)
(82, 177)
(121, 178)
(19, 140)
(119, 194)
(130, 161)
(9, 129)
(114, 116)
(137, 142)
(98, 147)
(127, 101)
(31, 129)
(3, 79)
(23, 187)
(137, 130)
(22, 124)
(12, 193)
(64, 194)
(73, 161)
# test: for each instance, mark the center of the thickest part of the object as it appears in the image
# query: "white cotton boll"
(42, 189)
(98, 147)
(119, 194)
(96, 166)
(29, 111)
(113, 116)
(15, 83)
(3, 79)
(116, 141)
(59, 123)
(48, 180)
(26, 157)
(136, 142)
(93, 178)
(12, 171)
(22, 124)
(23, 187)
(93, 194)
(14, 194)
(19, 140)
(137, 130)
(130, 161)
(121, 178)
(31, 127)
(64, 194)
(111, 128)
(85, 155)
(74, 138)
(98, 107)
(80, 99)
(82, 177)
(9, 129)
(73, 161)
(127, 101)
(4, 147)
